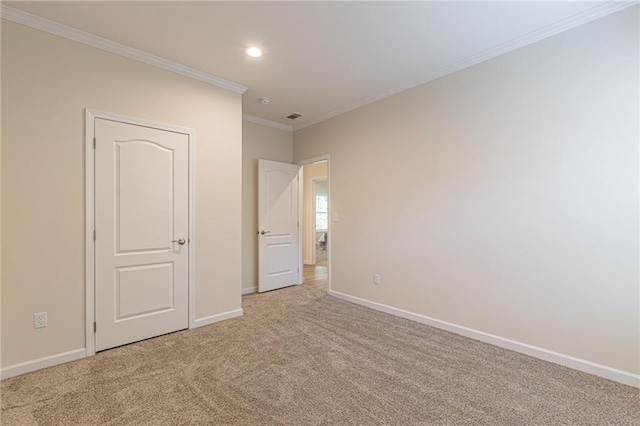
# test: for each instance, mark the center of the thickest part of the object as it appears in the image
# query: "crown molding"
(268, 123)
(566, 24)
(55, 28)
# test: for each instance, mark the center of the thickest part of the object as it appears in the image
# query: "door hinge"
(95, 326)
(94, 235)
(94, 143)
(298, 270)
(298, 224)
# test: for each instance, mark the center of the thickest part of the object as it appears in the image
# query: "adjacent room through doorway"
(315, 223)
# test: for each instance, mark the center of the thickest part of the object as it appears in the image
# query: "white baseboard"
(40, 363)
(249, 290)
(50, 361)
(199, 322)
(616, 375)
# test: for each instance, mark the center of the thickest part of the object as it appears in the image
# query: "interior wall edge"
(503, 170)
(596, 12)
(40, 363)
(76, 354)
(579, 364)
(267, 123)
(52, 27)
(211, 319)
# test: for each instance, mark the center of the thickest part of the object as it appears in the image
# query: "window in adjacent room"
(321, 213)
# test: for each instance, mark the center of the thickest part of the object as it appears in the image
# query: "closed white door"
(141, 217)
(278, 220)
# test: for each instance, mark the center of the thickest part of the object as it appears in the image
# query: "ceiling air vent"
(294, 116)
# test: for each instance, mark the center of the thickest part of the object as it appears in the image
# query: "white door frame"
(89, 208)
(305, 162)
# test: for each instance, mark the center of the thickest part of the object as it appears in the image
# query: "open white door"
(142, 225)
(278, 220)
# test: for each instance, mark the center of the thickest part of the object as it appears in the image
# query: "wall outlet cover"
(40, 320)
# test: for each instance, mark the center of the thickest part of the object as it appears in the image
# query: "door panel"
(141, 196)
(279, 257)
(278, 218)
(144, 289)
(144, 196)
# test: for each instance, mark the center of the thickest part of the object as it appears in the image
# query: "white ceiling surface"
(320, 58)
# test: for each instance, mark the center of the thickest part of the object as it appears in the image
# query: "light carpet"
(300, 357)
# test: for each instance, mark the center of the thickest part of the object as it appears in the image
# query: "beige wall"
(503, 197)
(311, 172)
(47, 82)
(269, 144)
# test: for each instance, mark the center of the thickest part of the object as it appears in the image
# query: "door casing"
(301, 163)
(90, 116)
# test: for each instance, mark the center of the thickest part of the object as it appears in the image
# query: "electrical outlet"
(40, 320)
(376, 279)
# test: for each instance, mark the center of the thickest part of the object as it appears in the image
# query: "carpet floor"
(300, 357)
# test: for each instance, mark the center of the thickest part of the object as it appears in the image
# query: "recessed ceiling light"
(254, 52)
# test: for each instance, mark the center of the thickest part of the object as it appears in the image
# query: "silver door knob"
(180, 241)
(264, 232)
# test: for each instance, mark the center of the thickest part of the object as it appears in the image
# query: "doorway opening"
(315, 215)
(320, 220)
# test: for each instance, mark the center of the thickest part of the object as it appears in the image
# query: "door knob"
(264, 232)
(180, 241)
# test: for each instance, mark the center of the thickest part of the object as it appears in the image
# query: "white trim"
(89, 243)
(192, 227)
(312, 220)
(317, 159)
(52, 27)
(90, 116)
(249, 290)
(217, 318)
(300, 224)
(268, 123)
(524, 348)
(581, 18)
(326, 158)
(40, 363)
(55, 28)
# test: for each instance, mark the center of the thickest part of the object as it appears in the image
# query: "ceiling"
(320, 58)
